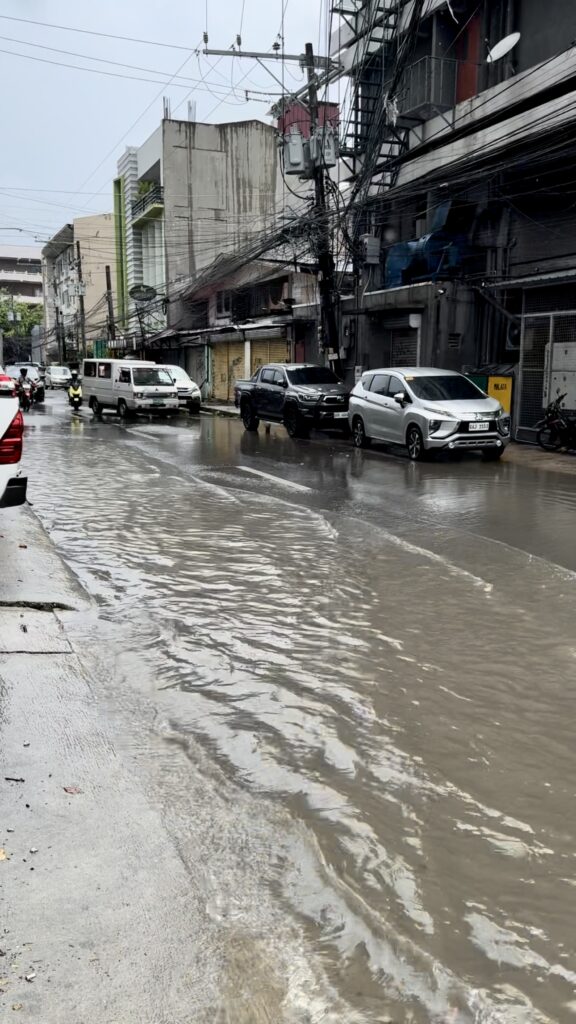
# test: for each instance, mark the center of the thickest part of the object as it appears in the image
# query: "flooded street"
(350, 687)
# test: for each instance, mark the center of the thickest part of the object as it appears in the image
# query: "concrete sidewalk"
(92, 883)
(220, 409)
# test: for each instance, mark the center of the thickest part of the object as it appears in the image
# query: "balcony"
(434, 85)
(148, 206)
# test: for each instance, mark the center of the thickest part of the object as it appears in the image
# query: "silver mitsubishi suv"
(426, 410)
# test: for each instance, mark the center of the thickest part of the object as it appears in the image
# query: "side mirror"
(400, 397)
(283, 383)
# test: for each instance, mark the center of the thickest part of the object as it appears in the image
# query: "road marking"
(277, 480)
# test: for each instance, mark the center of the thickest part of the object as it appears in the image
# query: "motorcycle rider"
(23, 384)
(75, 389)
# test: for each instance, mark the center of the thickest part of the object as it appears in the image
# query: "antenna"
(167, 110)
(502, 48)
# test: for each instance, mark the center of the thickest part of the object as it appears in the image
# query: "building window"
(223, 303)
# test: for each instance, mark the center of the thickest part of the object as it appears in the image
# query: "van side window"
(124, 376)
(89, 369)
(105, 370)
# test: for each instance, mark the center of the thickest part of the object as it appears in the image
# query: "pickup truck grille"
(339, 401)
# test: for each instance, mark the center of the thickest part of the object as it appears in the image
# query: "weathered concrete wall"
(221, 184)
(97, 246)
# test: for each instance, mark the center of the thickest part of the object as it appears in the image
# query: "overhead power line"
(113, 74)
(186, 81)
(92, 32)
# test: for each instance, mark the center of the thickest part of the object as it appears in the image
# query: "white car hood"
(473, 409)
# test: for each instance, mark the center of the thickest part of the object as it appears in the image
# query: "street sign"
(142, 293)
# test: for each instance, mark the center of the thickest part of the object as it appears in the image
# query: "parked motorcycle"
(557, 429)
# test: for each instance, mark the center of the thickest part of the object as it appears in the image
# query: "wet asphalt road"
(362, 672)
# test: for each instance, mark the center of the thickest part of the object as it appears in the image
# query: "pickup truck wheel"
(95, 406)
(123, 410)
(294, 423)
(249, 417)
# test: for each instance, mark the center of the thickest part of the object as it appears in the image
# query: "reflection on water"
(412, 716)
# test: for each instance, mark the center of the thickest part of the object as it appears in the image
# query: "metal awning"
(536, 280)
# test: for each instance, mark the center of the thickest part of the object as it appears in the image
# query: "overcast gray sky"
(58, 125)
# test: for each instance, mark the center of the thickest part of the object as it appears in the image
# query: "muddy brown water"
(378, 662)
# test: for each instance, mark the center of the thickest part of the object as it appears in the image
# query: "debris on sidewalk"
(11, 778)
(3, 854)
(72, 790)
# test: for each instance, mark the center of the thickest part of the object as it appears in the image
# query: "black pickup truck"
(299, 395)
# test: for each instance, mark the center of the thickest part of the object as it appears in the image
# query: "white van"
(128, 386)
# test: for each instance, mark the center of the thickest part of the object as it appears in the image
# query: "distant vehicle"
(37, 366)
(33, 375)
(58, 377)
(128, 387)
(299, 395)
(427, 410)
(12, 483)
(188, 392)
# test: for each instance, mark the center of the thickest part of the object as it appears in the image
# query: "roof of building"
(20, 252)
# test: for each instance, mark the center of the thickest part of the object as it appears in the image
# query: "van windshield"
(150, 376)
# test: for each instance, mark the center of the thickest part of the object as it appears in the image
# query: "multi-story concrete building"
(191, 194)
(21, 273)
(74, 265)
(460, 151)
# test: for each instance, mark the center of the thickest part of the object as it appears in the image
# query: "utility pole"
(82, 345)
(109, 300)
(326, 282)
(321, 242)
(60, 339)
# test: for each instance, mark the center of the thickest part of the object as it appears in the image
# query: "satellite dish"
(502, 48)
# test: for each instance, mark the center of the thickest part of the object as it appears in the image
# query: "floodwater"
(358, 678)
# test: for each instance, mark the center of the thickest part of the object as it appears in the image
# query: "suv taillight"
(11, 443)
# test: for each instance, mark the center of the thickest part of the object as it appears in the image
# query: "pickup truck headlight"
(309, 398)
(138, 394)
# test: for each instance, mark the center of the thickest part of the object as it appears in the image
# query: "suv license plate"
(340, 415)
(479, 426)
